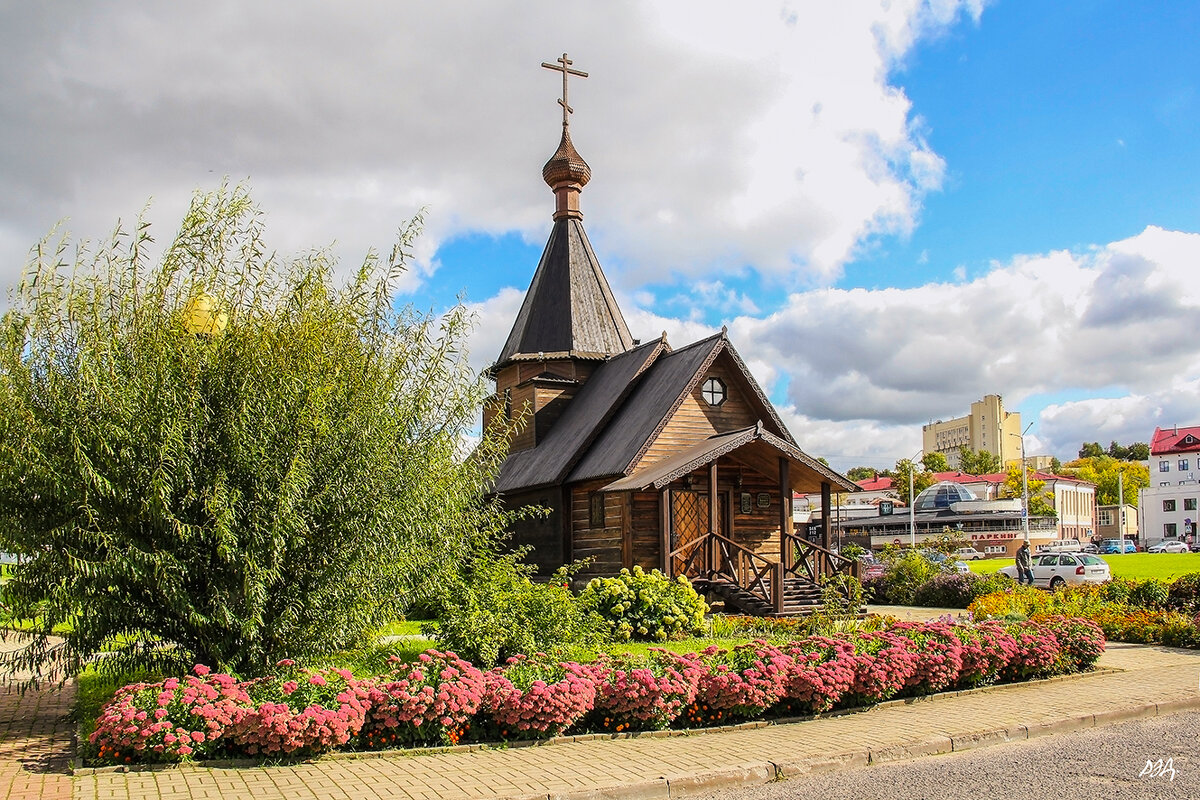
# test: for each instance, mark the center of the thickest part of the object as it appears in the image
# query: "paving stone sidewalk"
(36, 739)
(1152, 681)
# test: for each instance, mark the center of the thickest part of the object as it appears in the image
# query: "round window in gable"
(713, 391)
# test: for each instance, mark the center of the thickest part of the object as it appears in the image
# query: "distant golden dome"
(566, 165)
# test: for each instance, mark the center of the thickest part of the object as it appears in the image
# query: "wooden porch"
(725, 521)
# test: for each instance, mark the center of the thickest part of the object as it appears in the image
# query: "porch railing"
(810, 560)
(712, 556)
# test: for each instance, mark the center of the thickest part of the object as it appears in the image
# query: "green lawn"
(1165, 566)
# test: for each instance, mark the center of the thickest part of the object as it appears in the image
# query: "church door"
(689, 521)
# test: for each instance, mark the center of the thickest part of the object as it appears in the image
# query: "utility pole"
(1025, 485)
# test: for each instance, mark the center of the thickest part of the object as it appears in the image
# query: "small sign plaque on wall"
(764, 499)
(746, 503)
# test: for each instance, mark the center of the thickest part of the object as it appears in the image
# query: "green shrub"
(905, 572)
(995, 582)
(1180, 630)
(227, 456)
(841, 594)
(947, 590)
(647, 606)
(1117, 590)
(1184, 593)
(1150, 593)
(501, 612)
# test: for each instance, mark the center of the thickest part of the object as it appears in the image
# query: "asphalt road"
(1096, 764)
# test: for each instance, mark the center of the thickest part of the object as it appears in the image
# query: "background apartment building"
(1169, 504)
(988, 428)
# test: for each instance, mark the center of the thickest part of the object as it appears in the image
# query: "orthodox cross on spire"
(565, 68)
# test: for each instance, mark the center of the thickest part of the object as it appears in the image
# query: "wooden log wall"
(543, 534)
(645, 524)
(604, 544)
(696, 420)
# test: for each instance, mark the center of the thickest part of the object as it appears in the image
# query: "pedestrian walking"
(1024, 564)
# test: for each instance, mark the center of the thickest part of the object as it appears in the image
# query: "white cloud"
(721, 137)
(871, 366)
(1131, 418)
(856, 373)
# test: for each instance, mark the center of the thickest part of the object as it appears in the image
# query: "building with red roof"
(1169, 441)
(1168, 506)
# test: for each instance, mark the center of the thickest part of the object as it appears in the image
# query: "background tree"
(935, 462)
(1091, 450)
(977, 462)
(228, 457)
(1105, 472)
(1041, 500)
(860, 473)
(922, 479)
(1056, 465)
(1138, 451)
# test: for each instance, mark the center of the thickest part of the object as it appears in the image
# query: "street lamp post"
(1025, 485)
(912, 513)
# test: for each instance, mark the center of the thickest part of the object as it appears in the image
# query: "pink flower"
(201, 670)
(317, 680)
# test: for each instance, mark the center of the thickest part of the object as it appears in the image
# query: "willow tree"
(223, 456)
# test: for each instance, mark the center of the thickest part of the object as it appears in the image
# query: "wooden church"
(646, 454)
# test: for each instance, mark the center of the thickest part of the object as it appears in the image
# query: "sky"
(896, 207)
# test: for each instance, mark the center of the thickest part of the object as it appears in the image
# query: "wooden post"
(626, 530)
(664, 507)
(777, 590)
(826, 511)
(567, 518)
(714, 505)
(714, 512)
(785, 514)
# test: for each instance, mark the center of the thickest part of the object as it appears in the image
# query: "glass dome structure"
(941, 495)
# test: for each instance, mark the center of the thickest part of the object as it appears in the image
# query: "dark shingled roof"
(569, 307)
(659, 391)
(806, 477)
(580, 422)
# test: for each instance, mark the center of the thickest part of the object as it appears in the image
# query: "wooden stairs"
(800, 597)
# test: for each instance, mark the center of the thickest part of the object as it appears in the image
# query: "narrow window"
(1168, 505)
(1189, 504)
(596, 509)
(1169, 530)
(1183, 465)
(1164, 466)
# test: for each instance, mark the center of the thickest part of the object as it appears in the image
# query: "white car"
(1052, 570)
(968, 554)
(1168, 547)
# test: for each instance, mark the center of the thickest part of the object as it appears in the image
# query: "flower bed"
(442, 699)
(300, 712)
(639, 694)
(1144, 612)
(428, 702)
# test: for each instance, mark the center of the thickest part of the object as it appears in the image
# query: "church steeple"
(569, 322)
(569, 310)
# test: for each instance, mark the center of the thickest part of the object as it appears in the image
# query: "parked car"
(948, 563)
(1061, 546)
(1090, 548)
(969, 554)
(1117, 546)
(1052, 570)
(1168, 547)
